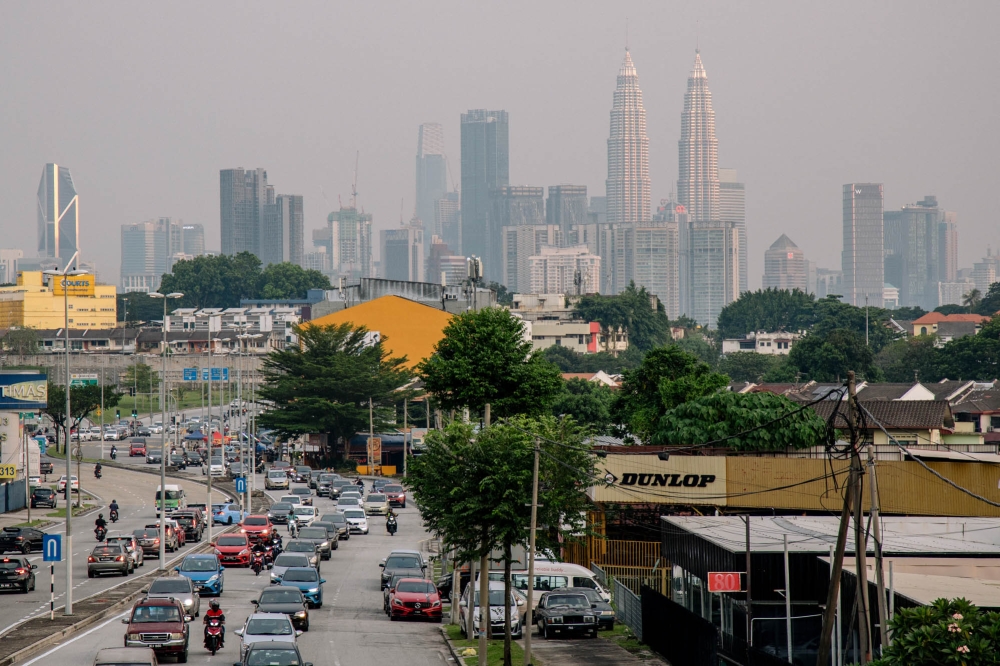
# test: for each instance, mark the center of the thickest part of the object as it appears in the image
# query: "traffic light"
(118, 415)
(135, 413)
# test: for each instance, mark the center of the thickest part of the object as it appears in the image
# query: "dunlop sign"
(23, 391)
(645, 479)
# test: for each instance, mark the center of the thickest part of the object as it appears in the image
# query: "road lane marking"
(76, 638)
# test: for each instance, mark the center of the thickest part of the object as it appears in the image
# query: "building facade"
(785, 266)
(58, 213)
(698, 149)
(733, 208)
(350, 233)
(862, 259)
(485, 167)
(151, 248)
(8, 264)
(448, 221)
(282, 232)
(520, 244)
(193, 239)
(39, 301)
(920, 251)
(566, 207)
(403, 252)
(243, 195)
(710, 275)
(627, 187)
(432, 172)
(567, 270)
(510, 206)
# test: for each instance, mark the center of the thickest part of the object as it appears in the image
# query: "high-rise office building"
(698, 175)
(510, 206)
(785, 266)
(566, 207)
(151, 248)
(443, 265)
(710, 273)
(520, 244)
(432, 172)
(564, 270)
(58, 213)
(8, 264)
(193, 239)
(448, 221)
(920, 251)
(243, 194)
(350, 233)
(282, 233)
(862, 258)
(403, 252)
(628, 151)
(485, 167)
(732, 208)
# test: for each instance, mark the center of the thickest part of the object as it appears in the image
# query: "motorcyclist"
(100, 523)
(259, 548)
(114, 452)
(390, 521)
(114, 507)
(276, 541)
(214, 611)
(97, 469)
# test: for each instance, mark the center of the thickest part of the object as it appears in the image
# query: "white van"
(551, 576)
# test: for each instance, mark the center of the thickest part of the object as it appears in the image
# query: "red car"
(137, 449)
(415, 598)
(395, 494)
(256, 527)
(233, 550)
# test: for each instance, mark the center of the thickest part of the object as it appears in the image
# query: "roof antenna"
(626, 34)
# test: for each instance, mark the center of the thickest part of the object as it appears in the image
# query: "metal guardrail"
(628, 608)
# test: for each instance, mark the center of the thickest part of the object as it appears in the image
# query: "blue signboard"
(190, 374)
(241, 484)
(20, 391)
(52, 548)
(218, 374)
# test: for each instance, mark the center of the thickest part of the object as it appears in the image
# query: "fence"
(656, 577)
(12, 496)
(612, 551)
(677, 633)
(628, 608)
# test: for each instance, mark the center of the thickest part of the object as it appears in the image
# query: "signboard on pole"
(218, 374)
(190, 374)
(52, 548)
(241, 484)
(83, 379)
(725, 581)
(21, 391)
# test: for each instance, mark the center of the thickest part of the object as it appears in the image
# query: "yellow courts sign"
(73, 285)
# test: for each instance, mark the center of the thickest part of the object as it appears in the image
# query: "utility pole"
(371, 435)
(749, 588)
(860, 540)
(531, 558)
(405, 433)
(883, 615)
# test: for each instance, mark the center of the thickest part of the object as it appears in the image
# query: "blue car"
(307, 580)
(226, 514)
(205, 571)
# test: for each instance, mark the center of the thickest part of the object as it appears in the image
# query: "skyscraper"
(151, 248)
(242, 197)
(566, 207)
(403, 252)
(785, 266)
(862, 259)
(350, 233)
(485, 167)
(710, 272)
(520, 244)
(194, 239)
(564, 270)
(432, 172)
(510, 206)
(920, 251)
(58, 213)
(448, 221)
(628, 151)
(732, 208)
(698, 179)
(282, 234)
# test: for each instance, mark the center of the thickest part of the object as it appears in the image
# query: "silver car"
(131, 545)
(178, 587)
(307, 548)
(274, 627)
(286, 561)
(109, 558)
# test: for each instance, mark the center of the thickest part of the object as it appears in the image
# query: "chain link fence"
(628, 608)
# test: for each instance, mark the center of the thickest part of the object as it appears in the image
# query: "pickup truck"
(45, 467)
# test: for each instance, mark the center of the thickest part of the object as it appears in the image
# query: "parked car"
(160, 624)
(395, 494)
(180, 588)
(414, 598)
(131, 546)
(263, 627)
(44, 497)
(602, 609)
(74, 483)
(233, 549)
(562, 614)
(17, 573)
(496, 609)
(377, 504)
(20, 539)
(287, 600)
(108, 558)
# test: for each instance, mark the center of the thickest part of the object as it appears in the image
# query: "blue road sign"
(190, 374)
(218, 374)
(241, 484)
(52, 548)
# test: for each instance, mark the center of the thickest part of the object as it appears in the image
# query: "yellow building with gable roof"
(37, 301)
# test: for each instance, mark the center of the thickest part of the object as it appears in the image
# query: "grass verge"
(77, 510)
(494, 652)
(33, 523)
(623, 637)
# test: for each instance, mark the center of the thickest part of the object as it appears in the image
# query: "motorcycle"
(391, 526)
(100, 533)
(97, 474)
(213, 634)
(114, 454)
(257, 563)
(114, 516)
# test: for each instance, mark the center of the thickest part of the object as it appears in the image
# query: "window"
(923, 330)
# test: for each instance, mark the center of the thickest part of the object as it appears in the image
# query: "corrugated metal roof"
(922, 414)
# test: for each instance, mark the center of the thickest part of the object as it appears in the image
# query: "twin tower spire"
(628, 190)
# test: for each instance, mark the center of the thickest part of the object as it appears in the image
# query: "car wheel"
(392, 617)
(33, 582)
(305, 627)
(26, 548)
(182, 658)
(545, 631)
(90, 574)
(24, 590)
(230, 521)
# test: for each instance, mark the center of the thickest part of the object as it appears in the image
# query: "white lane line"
(76, 638)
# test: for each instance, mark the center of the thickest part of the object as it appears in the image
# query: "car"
(302, 473)
(357, 521)
(308, 581)
(338, 519)
(136, 447)
(17, 573)
(303, 515)
(390, 585)
(322, 483)
(20, 539)
(177, 460)
(111, 434)
(180, 588)
(133, 656)
(131, 546)
(294, 500)
(352, 491)
(142, 431)
(160, 624)
(263, 627)
(320, 537)
(236, 469)
(46, 467)
(75, 483)
(279, 512)
(154, 456)
(44, 497)
(379, 484)
(226, 514)
(415, 598)
(336, 487)
(156, 428)
(216, 466)
(602, 609)
(195, 459)
(174, 536)
(496, 610)
(149, 541)
(191, 521)
(286, 561)
(273, 653)
(287, 600)
(256, 526)
(345, 503)
(565, 613)
(377, 504)
(304, 494)
(276, 479)
(95, 433)
(332, 533)
(409, 564)
(300, 547)
(396, 495)
(109, 558)
(233, 549)
(205, 571)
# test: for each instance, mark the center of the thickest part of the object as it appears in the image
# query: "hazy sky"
(145, 102)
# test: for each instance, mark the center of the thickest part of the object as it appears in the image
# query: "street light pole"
(531, 558)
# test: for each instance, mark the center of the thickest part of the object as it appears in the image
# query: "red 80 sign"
(725, 581)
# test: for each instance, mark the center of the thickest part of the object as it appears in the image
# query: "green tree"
(589, 403)
(632, 311)
(908, 313)
(324, 384)
(483, 359)
(915, 358)
(568, 360)
(288, 280)
(143, 378)
(20, 341)
(945, 632)
(974, 356)
(827, 356)
(767, 310)
(951, 308)
(667, 377)
(972, 299)
(754, 367)
(720, 415)
(135, 308)
(989, 304)
(84, 401)
(504, 296)
(832, 314)
(214, 281)
(697, 345)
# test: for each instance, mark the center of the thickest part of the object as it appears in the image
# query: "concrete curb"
(447, 641)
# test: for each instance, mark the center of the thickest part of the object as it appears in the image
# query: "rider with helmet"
(100, 523)
(113, 508)
(214, 611)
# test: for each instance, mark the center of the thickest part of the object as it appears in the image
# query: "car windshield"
(10, 565)
(269, 627)
(144, 614)
(403, 562)
(354, 513)
(571, 600)
(496, 598)
(232, 541)
(312, 533)
(299, 547)
(393, 489)
(146, 534)
(217, 461)
(301, 491)
(255, 520)
(304, 511)
(289, 560)
(273, 657)
(300, 576)
(163, 586)
(171, 494)
(423, 587)
(281, 506)
(281, 596)
(376, 498)
(335, 518)
(43, 492)
(276, 474)
(199, 564)
(349, 501)
(326, 478)
(107, 550)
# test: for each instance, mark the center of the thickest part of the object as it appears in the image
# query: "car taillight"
(120, 558)
(21, 570)
(19, 539)
(91, 559)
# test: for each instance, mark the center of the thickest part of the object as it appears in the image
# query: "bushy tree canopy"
(754, 367)
(589, 403)
(632, 311)
(568, 360)
(946, 632)
(767, 310)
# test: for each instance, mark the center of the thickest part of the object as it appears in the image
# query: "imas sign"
(23, 391)
(645, 479)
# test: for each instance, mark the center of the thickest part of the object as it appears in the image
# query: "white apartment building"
(565, 270)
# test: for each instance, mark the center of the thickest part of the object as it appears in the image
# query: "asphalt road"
(349, 629)
(134, 492)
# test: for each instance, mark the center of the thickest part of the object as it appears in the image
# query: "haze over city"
(145, 104)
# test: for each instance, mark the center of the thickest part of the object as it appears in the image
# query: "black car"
(303, 474)
(565, 613)
(273, 653)
(402, 563)
(195, 459)
(338, 486)
(178, 460)
(20, 539)
(278, 513)
(17, 573)
(319, 536)
(338, 519)
(192, 523)
(602, 609)
(154, 456)
(379, 484)
(332, 532)
(236, 469)
(287, 600)
(143, 432)
(44, 497)
(45, 467)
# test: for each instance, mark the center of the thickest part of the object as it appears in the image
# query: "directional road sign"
(52, 547)
(241, 484)
(190, 374)
(83, 379)
(218, 374)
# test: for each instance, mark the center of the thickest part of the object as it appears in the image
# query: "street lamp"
(64, 273)
(163, 431)
(251, 444)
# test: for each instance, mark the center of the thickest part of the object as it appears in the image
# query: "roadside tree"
(84, 401)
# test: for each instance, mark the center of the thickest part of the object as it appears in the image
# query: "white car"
(217, 467)
(95, 433)
(276, 479)
(304, 515)
(110, 434)
(156, 428)
(345, 503)
(276, 627)
(357, 521)
(496, 610)
(294, 500)
(62, 483)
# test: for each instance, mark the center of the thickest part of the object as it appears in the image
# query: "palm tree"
(972, 299)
